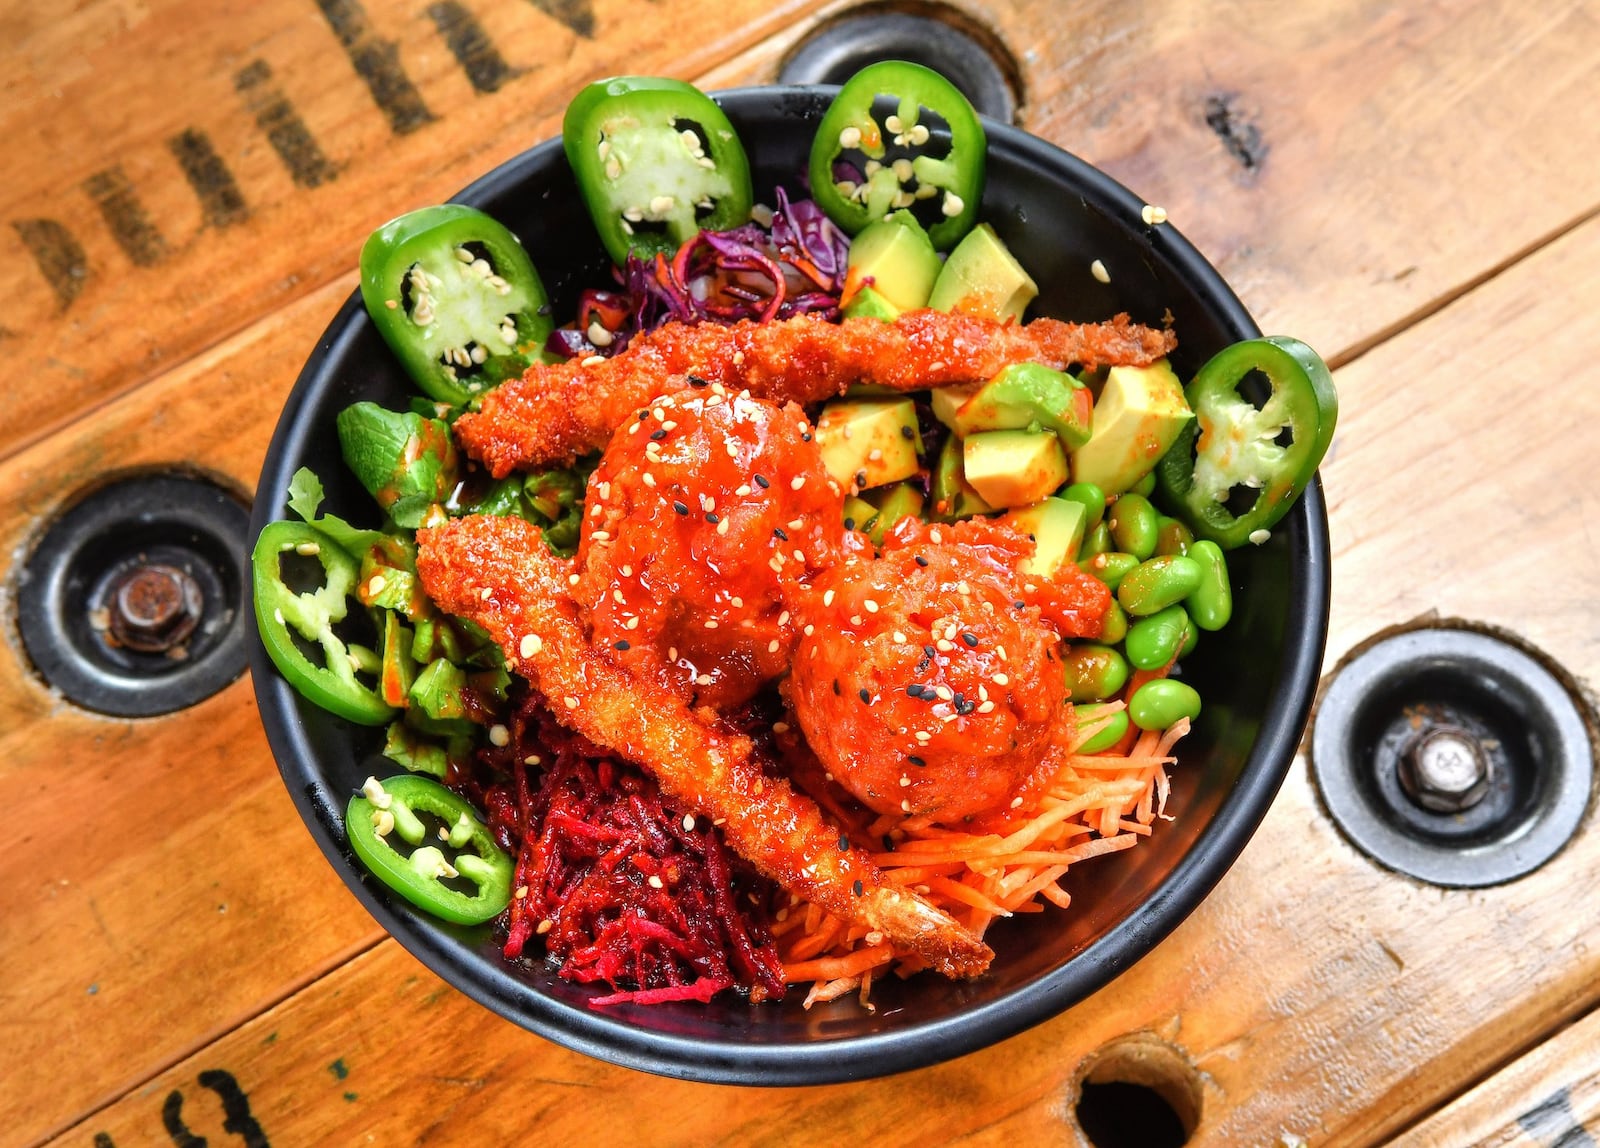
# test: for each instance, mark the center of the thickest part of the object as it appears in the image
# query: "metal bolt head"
(1445, 770)
(154, 608)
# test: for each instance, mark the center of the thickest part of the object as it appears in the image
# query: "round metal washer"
(170, 519)
(839, 50)
(1526, 718)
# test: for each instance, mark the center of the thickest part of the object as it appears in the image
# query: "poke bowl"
(1093, 250)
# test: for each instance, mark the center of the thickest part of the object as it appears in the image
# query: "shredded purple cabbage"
(795, 266)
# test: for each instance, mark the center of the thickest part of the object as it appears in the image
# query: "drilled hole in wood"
(1137, 1092)
(937, 36)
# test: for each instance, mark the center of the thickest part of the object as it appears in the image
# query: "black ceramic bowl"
(1257, 676)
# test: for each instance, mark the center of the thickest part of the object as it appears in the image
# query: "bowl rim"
(919, 1044)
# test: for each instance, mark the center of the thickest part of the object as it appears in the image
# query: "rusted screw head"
(154, 608)
(1445, 770)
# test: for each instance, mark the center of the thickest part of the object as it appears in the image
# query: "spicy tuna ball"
(704, 505)
(927, 680)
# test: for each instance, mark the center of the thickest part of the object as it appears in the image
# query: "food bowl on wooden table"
(1094, 251)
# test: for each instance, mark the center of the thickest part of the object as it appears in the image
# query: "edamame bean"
(1158, 704)
(1107, 737)
(1110, 567)
(1093, 500)
(1211, 602)
(1115, 626)
(1161, 582)
(1146, 486)
(1093, 672)
(1133, 525)
(1191, 639)
(1096, 541)
(1172, 536)
(1152, 641)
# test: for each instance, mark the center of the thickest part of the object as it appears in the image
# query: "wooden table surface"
(1413, 189)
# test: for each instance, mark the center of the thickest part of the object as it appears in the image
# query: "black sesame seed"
(658, 436)
(861, 479)
(713, 519)
(836, 690)
(859, 887)
(806, 437)
(778, 530)
(970, 638)
(914, 690)
(696, 381)
(1019, 603)
(644, 414)
(963, 706)
(866, 695)
(844, 843)
(762, 482)
(849, 523)
(914, 759)
(929, 650)
(681, 507)
(888, 843)
(906, 432)
(921, 561)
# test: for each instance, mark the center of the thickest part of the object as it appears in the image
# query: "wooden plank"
(240, 163)
(1550, 1096)
(1339, 1017)
(162, 889)
(1345, 167)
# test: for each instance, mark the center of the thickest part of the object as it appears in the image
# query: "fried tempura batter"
(499, 573)
(559, 412)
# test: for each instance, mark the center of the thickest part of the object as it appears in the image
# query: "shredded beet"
(621, 886)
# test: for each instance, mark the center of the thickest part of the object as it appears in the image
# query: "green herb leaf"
(305, 493)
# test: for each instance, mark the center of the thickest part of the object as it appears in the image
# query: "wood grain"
(1549, 1096)
(111, 264)
(1339, 1017)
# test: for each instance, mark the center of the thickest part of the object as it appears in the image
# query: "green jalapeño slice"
(456, 298)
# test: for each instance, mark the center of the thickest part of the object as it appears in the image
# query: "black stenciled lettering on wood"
(575, 14)
(172, 1121)
(220, 198)
(235, 1107)
(237, 1117)
(1553, 1124)
(284, 128)
(471, 46)
(378, 63)
(124, 214)
(60, 257)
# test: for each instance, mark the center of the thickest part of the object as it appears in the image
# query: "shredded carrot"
(1096, 804)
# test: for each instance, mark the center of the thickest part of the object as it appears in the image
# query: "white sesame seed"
(905, 807)
(1153, 215)
(593, 361)
(986, 707)
(598, 335)
(1016, 803)
(722, 526)
(573, 579)
(798, 481)
(672, 653)
(827, 600)
(772, 646)
(1000, 680)
(486, 593)
(905, 782)
(808, 630)
(625, 571)
(545, 926)
(633, 623)
(799, 556)
(855, 619)
(532, 759)
(1098, 270)
(1257, 537)
(711, 623)
(783, 618)
(945, 693)
(899, 637)
(656, 882)
(572, 702)
(649, 479)
(499, 734)
(944, 645)
(703, 680)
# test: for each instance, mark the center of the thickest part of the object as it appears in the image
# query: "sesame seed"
(808, 630)
(633, 623)
(672, 653)
(945, 645)
(921, 561)
(499, 734)
(827, 598)
(798, 481)
(915, 760)
(1098, 270)
(866, 695)
(783, 618)
(593, 361)
(572, 702)
(1257, 537)
(898, 636)
(703, 680)
(1153, 215)
(945, 693)
(772, 646)
(681, 508)
(743, 491)
(796, 524)
(914, 690)
(780, 727)
(778, 532)
(600, 536)
(872, 607)
(531, 645)
(622, 644)
(722, 527)
(924, 736)
(1000, 680)
(1016, 803)
(905, 807)
(859, 887)
(1000, 652)
(713, 519)
(711, 623)
(799, 556)
(905, 781)
(656, 882)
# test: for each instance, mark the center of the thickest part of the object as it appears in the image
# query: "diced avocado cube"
(868, 304)
(1014, 467)
(981, 277)
(948, 400)
(1056, 527)
(858, 513)
(1138, 416)
(1030, 394)
(894, 258)
(869, 442)
(953, 496)
(896, 502)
